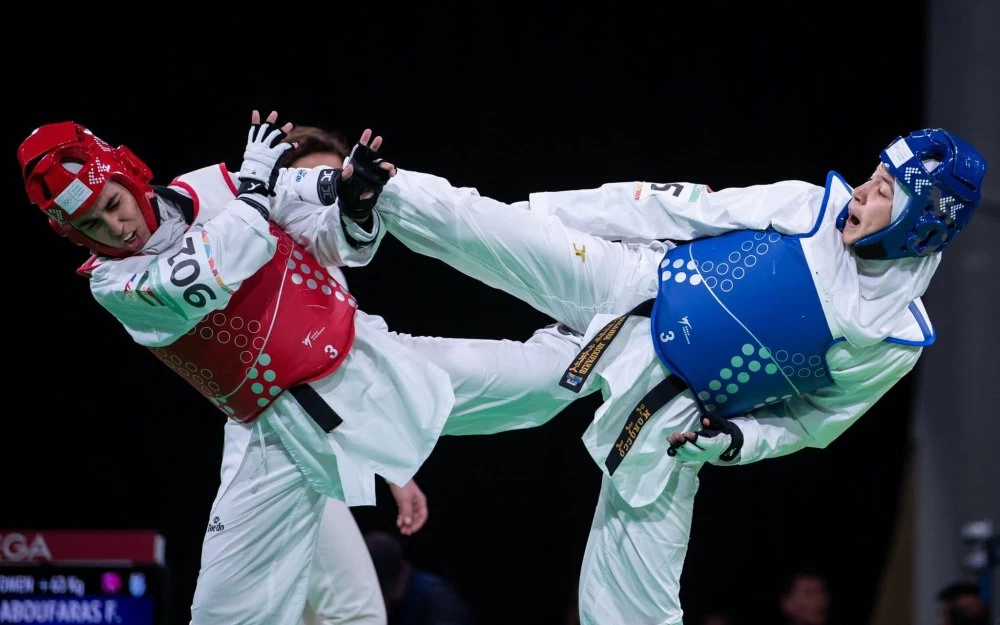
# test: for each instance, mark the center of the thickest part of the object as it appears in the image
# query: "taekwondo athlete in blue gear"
(596, 259)
(936, 177)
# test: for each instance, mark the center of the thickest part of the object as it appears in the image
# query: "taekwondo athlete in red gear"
(178, 264)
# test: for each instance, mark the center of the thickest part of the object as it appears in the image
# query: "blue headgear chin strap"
(938, 178)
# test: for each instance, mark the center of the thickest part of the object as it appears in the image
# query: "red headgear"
(66, 195)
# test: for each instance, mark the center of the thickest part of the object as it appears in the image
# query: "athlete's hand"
(259, 171)
(412, 504)
(363, 177)
(718, 439)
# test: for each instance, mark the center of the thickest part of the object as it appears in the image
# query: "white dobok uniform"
(394, 393)
(586, 257)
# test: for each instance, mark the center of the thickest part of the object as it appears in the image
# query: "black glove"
(367, 176)
(723, 439)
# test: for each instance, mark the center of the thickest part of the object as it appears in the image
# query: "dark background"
(101, 435)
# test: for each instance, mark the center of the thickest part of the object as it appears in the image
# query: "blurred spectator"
(413, 596)
(716, 617)
(961, 604)
(805, 599)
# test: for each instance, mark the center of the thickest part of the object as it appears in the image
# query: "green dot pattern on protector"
(741, 366)
(263, 392)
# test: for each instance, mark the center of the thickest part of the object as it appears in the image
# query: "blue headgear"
(931, 203)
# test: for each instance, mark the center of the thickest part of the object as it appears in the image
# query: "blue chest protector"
(738, 318)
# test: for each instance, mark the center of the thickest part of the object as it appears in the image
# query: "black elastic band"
(320, 411)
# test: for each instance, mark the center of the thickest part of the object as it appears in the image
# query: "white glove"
(315, 186)
(259, 171)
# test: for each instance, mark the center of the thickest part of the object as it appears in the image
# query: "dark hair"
(956, 590)
(805, 572)
(311, 140)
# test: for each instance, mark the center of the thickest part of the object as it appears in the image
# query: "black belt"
(656, 398)
(576, 375)
(316, 407)
(578, 372)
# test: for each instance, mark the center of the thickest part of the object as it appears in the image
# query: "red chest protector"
(288, 324)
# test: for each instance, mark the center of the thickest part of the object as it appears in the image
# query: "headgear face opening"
(67, 194)
(941, 176)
